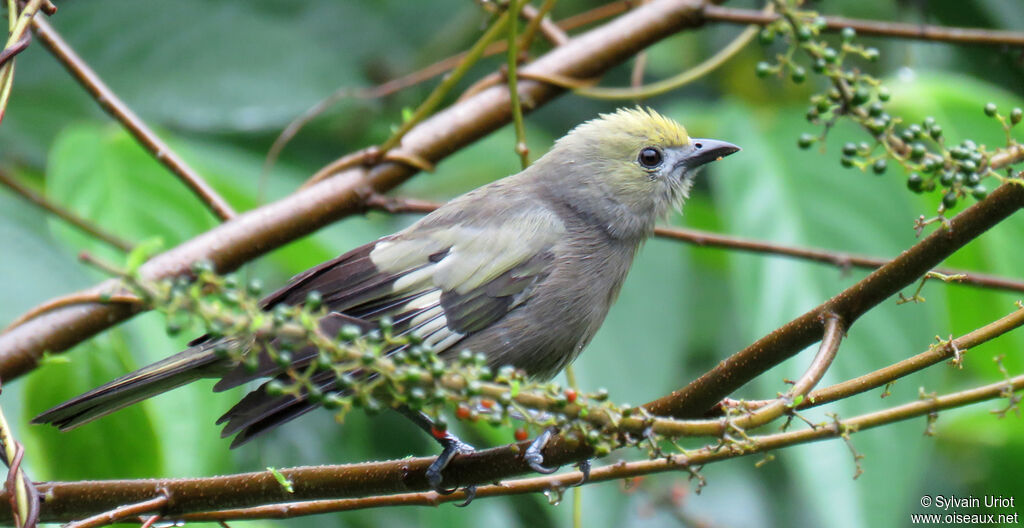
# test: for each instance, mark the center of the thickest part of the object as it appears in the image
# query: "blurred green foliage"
(220, 79)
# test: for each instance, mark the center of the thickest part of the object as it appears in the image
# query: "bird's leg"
(450, 446)
(534, 457)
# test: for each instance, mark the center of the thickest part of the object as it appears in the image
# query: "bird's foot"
(451, 446)
(534, 456)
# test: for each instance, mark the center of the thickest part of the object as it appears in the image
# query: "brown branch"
(113, 105)
(950, 350)
(730, 374)
(211, 498)
(841, 260)
(955, 35)
(255, 232)
(84, 225)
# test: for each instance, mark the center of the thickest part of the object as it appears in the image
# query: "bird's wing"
(439, 282)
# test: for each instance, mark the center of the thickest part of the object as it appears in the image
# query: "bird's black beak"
(703, 151)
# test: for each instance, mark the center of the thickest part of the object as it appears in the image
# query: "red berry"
(438, 433)
(462, 412)
(521, 435)
(570, 395)
(488, 404)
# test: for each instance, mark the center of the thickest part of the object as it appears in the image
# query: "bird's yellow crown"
(641, 123)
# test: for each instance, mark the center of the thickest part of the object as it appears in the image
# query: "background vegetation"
(220, 80)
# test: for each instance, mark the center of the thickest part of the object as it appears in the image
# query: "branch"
(253, 233)
(697, 237)
(82, 224)
(703, 393)
(113, 105)
(215, 495)
(952, 349)
(957, 35)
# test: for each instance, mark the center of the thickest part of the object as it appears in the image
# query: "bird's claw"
(451, 446)
(584, 466)
(470, 495)
(535, 458)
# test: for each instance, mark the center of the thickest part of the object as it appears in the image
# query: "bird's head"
(629, 168)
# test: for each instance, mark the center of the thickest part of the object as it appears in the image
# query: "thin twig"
(537, 20)
(582, 87)
(434, 99)
(521, 148)
(957, 35)
(121, 513)
(425, 108)
(701, 238)
(113, 105)
(935, 354)
(82, 224)
(73, 300)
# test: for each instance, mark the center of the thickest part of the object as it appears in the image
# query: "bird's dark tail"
(193, 363)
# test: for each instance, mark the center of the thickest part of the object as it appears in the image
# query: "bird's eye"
(649, 157)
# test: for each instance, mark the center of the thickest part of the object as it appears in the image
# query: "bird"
(522, 270)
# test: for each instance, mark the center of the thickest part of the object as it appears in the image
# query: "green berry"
(846, 161)
(979, 192)
(884, 94)
(929, 122)
(946, 179)
(274, 388)
(850, 149)
(1015, 115)
(805, 141)
(819, 66)
(935, 132)
(848, 34)
(969, 166)
(879, 166)
(990, 109)
(917, 151)
(829, 55)
(949, 200)
(973, 179)
(314, 300)
(799, 74)
(915, 182)
(767, 36)
(803, 34)
(823, 105)
(763, 69)
(860, 96)
(255, 287)
(871, 54)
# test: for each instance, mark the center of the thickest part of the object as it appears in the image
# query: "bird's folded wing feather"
(439, 282)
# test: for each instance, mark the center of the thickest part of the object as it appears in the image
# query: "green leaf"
(121, 445)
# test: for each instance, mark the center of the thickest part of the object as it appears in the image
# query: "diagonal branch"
(701, 238)
(703, 393)
(114, 106)
(255, 232)
(82, 224)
